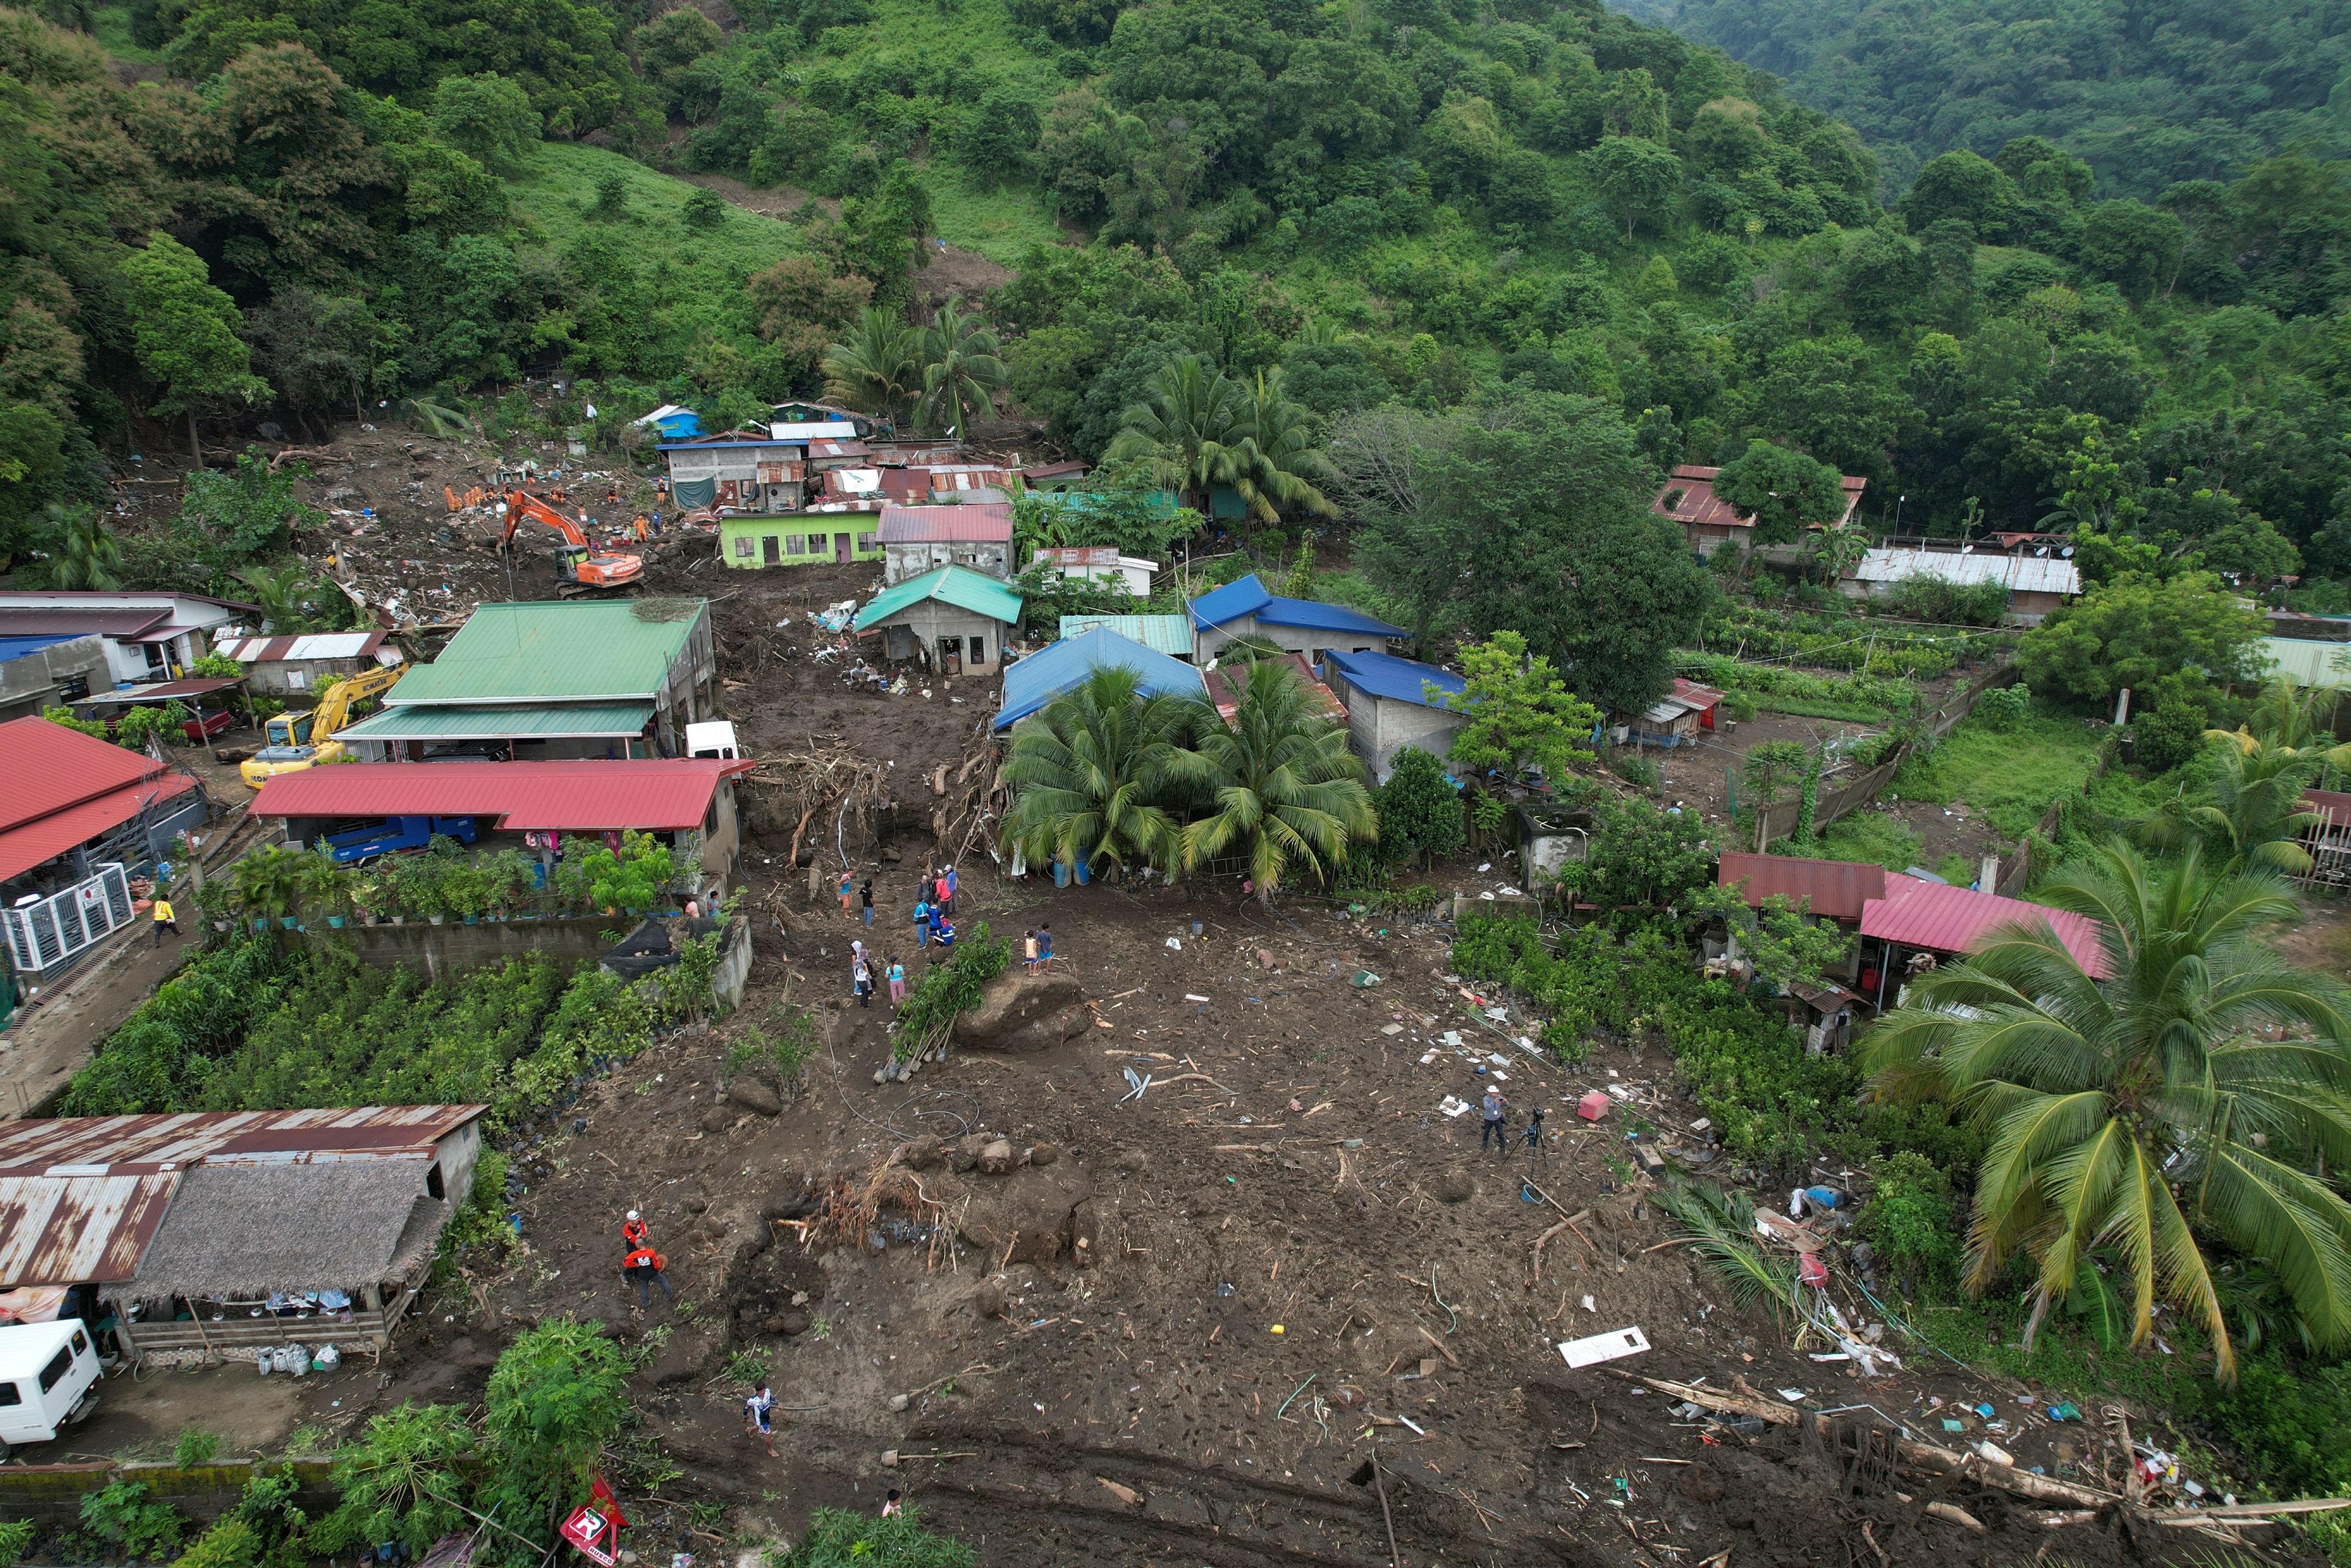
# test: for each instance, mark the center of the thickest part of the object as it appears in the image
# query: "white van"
(49, 1379)
(714, 737)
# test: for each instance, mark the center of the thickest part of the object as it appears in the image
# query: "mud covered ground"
(1179, 1327)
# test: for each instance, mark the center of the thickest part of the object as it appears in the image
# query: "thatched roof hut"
(245, 1232)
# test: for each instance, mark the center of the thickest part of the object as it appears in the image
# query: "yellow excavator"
(305, 740)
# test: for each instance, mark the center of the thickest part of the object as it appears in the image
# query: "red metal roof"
(82, 1198)
(1226, 681)
(2330, 805)
(656, 794)
(1697, 503)
(980, 523)
(1837, 889)
(1698, 696)
(27, 845)
(49, 767)
(1944, 919)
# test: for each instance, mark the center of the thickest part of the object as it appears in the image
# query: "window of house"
(979, 650)
(794, 545)
(820, 544)
(864, 542)
(743, 548)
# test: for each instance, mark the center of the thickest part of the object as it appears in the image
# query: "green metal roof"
(503, 721)
(582, 650)
(1168, 634)
(956, 585)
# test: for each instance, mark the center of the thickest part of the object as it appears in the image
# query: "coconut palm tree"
(2254, 815)
(1284, 790)
(877, 366)
(1187, 431)
(961, 372)
(86, 555)
(1089, 770)
(2193, 1093)
(1280, 468)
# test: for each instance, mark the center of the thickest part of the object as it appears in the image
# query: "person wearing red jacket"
(632, 1230)
(646, 1266)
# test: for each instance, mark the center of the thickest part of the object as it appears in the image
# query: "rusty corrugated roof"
(1837, 889)
(81, 1197)
(89, 1144)
(68, 1230)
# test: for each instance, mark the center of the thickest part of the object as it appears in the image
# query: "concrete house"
(549, 680)
(738, 472)
(39, 670)
(1708, 522)
(1389, 707)
(1098, 563)
(750, 542)
(918, 540)
(147, 636)
(307, 664)
(1249, 609)
(952, 619)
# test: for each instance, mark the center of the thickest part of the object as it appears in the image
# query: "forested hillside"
(2148, 94)
(1436, 224)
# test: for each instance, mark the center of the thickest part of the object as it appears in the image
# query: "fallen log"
(1969, 1467)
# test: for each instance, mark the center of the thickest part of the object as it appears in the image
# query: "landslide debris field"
(1177, 1328)
(1093, 1327)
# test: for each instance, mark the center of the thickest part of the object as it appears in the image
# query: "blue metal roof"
(1250, 597)
(17, 647)
(1398, 680)
(721, 445)
(1060, 667)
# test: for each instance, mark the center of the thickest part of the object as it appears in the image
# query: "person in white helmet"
(632, 1230)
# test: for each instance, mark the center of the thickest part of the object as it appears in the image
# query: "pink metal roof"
(81, 1197)
(1955, 920)
(983, 523)
(656, 794)
(1837, 889)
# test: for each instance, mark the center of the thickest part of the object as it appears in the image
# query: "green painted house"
(797, 538)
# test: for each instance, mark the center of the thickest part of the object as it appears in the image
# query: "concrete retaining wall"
(453, 946)
(53, 1493)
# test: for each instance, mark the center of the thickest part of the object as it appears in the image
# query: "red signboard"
(595, 1529)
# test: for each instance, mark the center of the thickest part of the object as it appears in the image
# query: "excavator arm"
(335, 707)
(521, 504)
(584, 570)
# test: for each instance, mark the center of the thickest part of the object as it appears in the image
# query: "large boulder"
(1025, 1217)
(1020, 1012)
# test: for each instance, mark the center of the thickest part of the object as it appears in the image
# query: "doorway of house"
(950, 655)
(840, 550)
(771, 550)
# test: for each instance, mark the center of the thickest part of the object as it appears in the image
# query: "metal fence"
(57, 930)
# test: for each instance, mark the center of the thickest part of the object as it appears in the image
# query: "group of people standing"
(934, 897)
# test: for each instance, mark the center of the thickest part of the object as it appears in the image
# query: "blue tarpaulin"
(1044, 675)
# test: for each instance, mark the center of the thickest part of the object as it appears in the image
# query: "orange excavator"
(576, 563)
